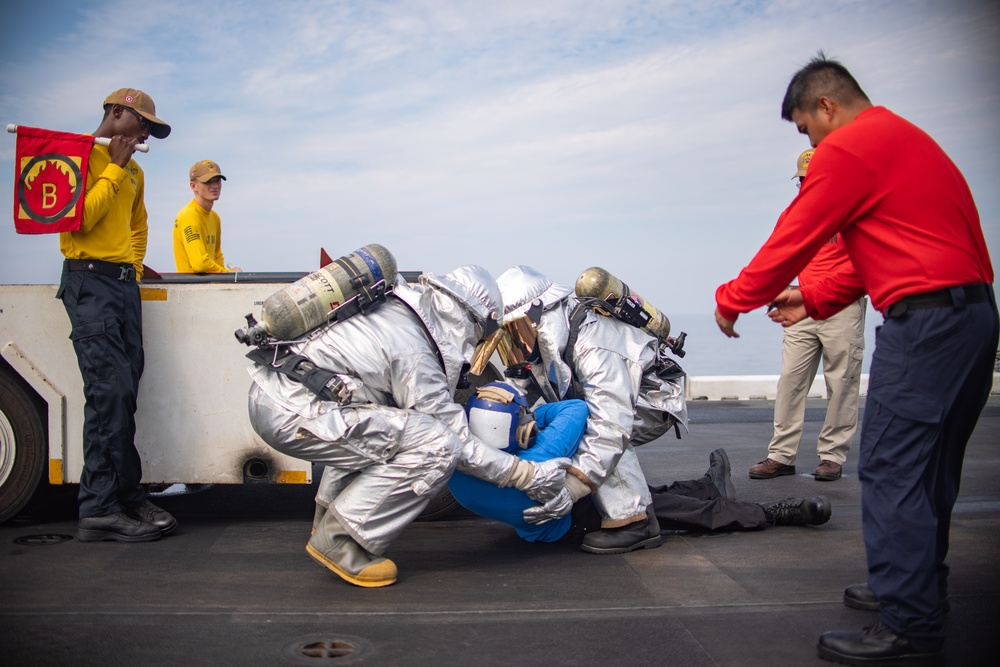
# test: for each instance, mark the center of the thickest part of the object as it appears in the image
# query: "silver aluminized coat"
(397, 441)
(613, 371)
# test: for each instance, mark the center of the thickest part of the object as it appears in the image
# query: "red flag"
(50, 179)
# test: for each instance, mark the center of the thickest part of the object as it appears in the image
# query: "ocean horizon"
(756, 352)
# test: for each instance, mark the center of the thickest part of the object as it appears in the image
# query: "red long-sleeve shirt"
(904, 212)
(832, 259)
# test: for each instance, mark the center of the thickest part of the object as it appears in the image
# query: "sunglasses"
(143, 122)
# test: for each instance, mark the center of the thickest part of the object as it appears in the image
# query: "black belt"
(124, 272)
(974, 293)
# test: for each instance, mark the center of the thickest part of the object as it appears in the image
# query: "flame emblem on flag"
(48, 187)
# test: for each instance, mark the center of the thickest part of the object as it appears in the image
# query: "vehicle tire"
(444, 503)
(23, 445)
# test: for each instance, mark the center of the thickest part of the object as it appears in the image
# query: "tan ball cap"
(143, 105)
(205, 170)
(803, 163)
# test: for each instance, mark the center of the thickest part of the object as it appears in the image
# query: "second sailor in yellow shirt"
(197, 228)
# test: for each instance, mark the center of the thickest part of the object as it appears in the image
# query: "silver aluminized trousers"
(383, 464)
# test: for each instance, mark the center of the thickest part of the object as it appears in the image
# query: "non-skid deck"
(234, 586)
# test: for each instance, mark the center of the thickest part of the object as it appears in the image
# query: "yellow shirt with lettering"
(115, 225)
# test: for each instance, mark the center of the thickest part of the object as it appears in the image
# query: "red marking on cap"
(128, 98)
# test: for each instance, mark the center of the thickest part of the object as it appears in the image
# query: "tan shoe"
(769, 468)
(828, 471)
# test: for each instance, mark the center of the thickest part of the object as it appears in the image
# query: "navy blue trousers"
(931, 373)
(106, 316)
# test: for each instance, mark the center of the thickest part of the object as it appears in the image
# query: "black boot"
(718, 472)
(798, 512)
(155, 515)
(119, 527)
(642, 534)
(875, 645)
(859, 596)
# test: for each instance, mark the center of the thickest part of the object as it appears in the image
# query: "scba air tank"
(622, 302)
(308, 302)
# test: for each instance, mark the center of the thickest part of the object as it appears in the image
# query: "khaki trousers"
(840, 342)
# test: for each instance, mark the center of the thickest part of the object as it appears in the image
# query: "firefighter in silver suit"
(625, 380)
(394, 435)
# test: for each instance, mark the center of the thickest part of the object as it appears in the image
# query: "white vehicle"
(191, 425)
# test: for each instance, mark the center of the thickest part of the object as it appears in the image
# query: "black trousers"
(696, 505)
(693, 505)
(106, 317)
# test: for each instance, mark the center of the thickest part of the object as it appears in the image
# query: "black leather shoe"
(875, 645)
(157, 516)
(798, 512)
(859, 596)
(718, 472)
(119, 527)
(643, 534)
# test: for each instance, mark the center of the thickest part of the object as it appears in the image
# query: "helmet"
(474, 286)
(803, 163)
(499, 416)
(527, 294)
(522, 285)
(476, 289)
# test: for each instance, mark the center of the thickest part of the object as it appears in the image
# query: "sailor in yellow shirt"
(197, 228)
(100, 293)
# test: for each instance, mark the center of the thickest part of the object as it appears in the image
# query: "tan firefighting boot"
(334, 548)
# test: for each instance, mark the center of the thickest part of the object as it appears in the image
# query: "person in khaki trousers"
(840, 342)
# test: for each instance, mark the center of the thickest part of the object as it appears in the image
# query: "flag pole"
(100, 141)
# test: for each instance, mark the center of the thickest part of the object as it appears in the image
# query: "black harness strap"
(576, 318)
(320, 381)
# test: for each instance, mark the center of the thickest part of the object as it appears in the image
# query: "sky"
(644, 137)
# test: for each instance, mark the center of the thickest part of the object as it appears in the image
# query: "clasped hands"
(786, 309)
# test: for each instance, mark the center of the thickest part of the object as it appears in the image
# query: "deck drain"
(340, 650)
(38, 540)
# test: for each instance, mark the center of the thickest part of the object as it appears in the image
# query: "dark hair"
(821, 76)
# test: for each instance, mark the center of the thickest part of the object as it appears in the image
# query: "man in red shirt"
(840, 342)
(912, 231)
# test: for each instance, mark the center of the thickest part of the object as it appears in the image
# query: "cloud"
(642, 136)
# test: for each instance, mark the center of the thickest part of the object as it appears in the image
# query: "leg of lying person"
(676, 511)
(709, 504)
